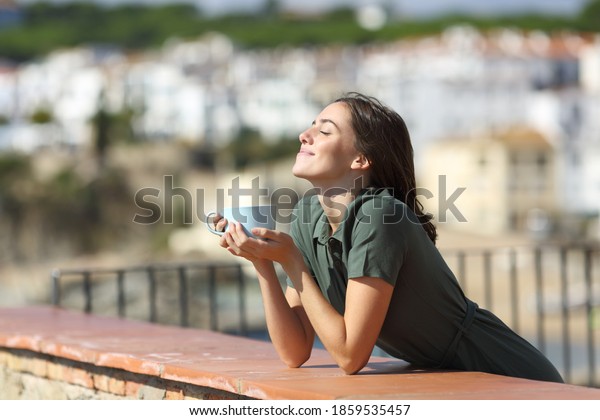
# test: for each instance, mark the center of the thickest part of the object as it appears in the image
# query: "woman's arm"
(350, 337)
(289, 327)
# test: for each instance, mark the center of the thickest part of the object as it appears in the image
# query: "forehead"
(337, 112)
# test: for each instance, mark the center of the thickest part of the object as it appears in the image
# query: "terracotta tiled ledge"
(114, 357)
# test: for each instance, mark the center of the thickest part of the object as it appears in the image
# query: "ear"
(361, 163)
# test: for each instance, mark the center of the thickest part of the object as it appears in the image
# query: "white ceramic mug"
(249, 217)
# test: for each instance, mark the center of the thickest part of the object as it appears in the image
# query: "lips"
(304, 152)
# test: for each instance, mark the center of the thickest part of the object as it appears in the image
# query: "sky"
(414, 8)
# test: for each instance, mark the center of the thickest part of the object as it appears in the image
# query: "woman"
(362, 264)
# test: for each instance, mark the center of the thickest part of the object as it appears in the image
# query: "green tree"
(15, 168)
(42, 116)
(15, 191)
(589, 18)
(246, 148)
(249, 148)
(89, 214)
(48, 26)
(271, 8)
(102, 123)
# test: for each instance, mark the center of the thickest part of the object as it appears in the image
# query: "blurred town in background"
(99, 102)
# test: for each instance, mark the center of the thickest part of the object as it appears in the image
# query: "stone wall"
(29, 375)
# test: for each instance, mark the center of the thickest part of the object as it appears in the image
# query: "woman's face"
(327, 149)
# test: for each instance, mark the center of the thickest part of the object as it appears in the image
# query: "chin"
(298, 173)
(297, 170)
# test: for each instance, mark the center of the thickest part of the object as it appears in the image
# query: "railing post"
(462, 275)
(514, 295)
(589, 312)
(87, 292)
(487, 267)
(55, 287)
(183, 297)
(152, 293)
(212, 292)
(242, 302)
(566, 338)
(121, 293)
(539, 299)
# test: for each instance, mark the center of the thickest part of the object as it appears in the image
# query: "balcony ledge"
(90, 356)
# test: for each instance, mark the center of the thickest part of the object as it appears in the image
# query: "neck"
(335, 200)
(334, 206)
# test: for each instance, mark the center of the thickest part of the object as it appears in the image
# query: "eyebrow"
(327, 120)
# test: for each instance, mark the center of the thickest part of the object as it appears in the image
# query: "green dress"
(430, 322)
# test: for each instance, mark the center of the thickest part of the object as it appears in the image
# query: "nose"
(305, 136)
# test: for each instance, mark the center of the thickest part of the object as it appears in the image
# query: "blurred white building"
(458, 84)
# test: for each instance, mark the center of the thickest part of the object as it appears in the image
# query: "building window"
(482, 161)
(542, 162)
(513, 220)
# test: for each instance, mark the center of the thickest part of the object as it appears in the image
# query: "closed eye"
(324, 132)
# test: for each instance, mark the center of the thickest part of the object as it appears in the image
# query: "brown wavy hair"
(383, 138)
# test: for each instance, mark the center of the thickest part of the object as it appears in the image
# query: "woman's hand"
(220, 222)
(271, 245)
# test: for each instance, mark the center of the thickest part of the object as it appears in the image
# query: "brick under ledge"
(111, 357)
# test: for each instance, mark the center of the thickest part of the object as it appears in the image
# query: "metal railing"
(548, 294)
(213, 276)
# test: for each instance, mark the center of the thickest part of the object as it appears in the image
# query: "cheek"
(347, 151)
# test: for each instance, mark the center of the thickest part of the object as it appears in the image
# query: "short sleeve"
(379, 240)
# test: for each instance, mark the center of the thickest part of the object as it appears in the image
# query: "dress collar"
(322, 230)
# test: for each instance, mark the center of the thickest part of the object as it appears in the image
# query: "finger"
(242, 240)
(236, 238)
(223, 241)
(230, 241)
(233, 248)
(220, 224)
(266, 233)
(238, 234)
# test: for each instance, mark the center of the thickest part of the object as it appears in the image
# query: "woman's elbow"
(352, 367)
(293, 364)
(295, 361)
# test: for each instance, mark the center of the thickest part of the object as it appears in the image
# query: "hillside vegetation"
(47, 26)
